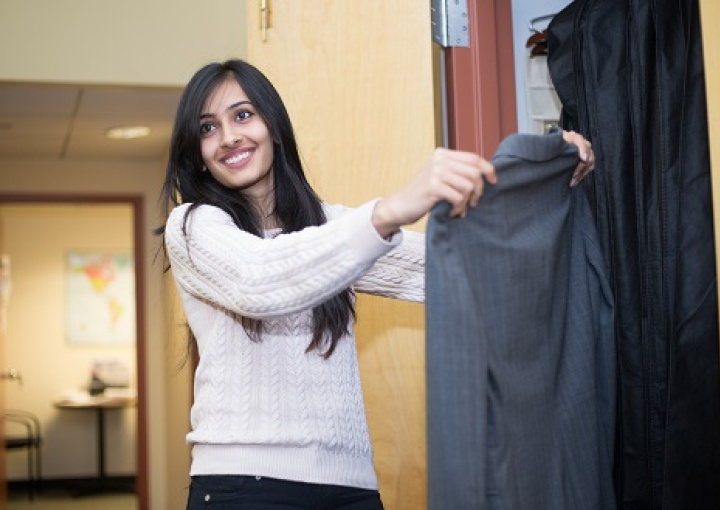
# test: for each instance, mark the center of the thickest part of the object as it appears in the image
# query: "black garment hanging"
(630, 76)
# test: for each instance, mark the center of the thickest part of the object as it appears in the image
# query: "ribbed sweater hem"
(300, 464)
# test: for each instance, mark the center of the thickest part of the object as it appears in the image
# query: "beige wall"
(37, 238)
(139, 42)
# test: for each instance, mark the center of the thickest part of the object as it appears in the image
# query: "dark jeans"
(231, 492)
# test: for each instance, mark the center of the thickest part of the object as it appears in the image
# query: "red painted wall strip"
(480, 81)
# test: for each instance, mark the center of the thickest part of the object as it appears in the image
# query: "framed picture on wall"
(100, 298)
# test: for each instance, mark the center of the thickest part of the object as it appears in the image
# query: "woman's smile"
(238, 158)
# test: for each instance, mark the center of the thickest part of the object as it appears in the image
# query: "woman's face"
(235, 142)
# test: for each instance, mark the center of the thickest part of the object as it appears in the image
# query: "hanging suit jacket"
(630, 76)
(520, 342)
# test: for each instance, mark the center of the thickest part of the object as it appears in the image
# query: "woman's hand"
(453, 176)
(587, 157)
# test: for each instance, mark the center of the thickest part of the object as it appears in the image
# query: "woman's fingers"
(587, 156)
(453, 176)
(477, 193)
(581, 171)
(487, 171)
(462, 176)
(459, 178)
(454, 187)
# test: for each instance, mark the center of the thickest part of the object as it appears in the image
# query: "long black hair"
(296, 204)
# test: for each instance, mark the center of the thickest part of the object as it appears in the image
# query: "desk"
(99, 404)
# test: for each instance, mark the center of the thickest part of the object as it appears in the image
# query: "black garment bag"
(630, 76)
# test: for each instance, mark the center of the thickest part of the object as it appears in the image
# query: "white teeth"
(237, 158)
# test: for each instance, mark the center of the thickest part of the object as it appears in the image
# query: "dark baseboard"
(74, 487)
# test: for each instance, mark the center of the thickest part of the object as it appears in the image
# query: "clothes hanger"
(545, 17)
(538, 39)
(540, 48)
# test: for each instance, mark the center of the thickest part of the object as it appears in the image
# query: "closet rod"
(539, 19)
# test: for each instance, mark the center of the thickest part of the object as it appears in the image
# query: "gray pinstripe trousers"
(520, 343)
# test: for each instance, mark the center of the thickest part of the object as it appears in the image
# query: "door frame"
(3, 468)
(480, 103)
(136, 202)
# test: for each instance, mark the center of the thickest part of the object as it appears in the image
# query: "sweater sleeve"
(400, 273)
(259, 278)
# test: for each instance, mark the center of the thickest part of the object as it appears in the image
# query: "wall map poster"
(100, 298)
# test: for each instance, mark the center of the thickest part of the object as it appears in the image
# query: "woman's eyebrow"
(234, 105)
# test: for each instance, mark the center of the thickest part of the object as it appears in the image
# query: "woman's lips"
(239, 158)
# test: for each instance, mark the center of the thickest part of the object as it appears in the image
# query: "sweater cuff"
(365, 236)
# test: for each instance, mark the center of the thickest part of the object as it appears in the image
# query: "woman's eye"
(206, 128)
(243, 115)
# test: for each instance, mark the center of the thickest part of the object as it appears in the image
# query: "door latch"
(12, 375)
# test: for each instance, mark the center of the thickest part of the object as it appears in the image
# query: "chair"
(29, 439)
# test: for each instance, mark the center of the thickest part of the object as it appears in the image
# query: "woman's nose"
(231, 137)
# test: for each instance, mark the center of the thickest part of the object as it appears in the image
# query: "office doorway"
(59, 226)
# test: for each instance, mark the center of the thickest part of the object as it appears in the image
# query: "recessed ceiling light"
(127, 132)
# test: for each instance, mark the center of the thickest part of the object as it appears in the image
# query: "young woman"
(267, 274)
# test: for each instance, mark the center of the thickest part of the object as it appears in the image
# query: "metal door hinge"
(450, 23)
(264, 18)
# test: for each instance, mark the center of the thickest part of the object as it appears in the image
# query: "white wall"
(133, 42)
(37, 238)
(522, 12)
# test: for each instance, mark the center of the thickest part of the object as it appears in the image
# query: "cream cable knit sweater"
(269, 408)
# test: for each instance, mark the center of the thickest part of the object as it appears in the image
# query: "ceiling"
(66, 122)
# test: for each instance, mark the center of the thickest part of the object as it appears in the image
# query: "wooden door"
(358, 80)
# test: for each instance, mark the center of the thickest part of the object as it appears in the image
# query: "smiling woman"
(273, 270)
